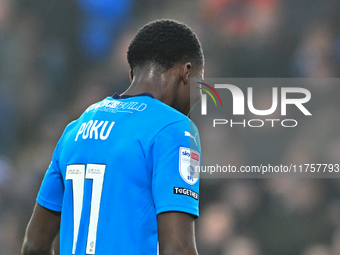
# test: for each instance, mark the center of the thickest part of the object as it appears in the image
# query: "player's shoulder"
(165, 112)
(164, 117)
(168, 120)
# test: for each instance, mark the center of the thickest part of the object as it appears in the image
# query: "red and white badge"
(189, 165)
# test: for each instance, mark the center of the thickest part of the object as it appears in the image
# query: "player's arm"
(41, 232)
(176, 234)
(175, 189)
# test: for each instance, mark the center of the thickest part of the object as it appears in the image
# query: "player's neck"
(161, 86)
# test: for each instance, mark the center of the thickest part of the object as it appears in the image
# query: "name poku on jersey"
(94, 129)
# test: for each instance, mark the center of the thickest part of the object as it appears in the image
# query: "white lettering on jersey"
(117, 106)
(92, 129)
(87, 129)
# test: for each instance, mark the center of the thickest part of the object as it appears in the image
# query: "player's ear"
(131, 75)
(186, 71)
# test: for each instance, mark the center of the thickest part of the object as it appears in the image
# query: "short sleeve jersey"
(125, 160)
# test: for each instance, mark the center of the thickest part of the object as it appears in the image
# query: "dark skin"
(171, 87)
(41, 232)
(176, 230)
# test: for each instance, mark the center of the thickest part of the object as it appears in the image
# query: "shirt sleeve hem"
(48, 205)
(168, 208)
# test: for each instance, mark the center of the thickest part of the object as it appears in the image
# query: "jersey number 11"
(77, 174)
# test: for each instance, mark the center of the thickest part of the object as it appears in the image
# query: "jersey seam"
(178, 208)
(158, 208)
(44, 202)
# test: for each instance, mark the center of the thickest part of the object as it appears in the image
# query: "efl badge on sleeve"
(189, 165)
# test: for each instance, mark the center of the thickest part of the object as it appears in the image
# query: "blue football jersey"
(125, 160)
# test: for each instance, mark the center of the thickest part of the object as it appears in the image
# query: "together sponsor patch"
(186, 192)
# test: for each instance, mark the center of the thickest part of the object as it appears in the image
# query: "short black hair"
(164, 43)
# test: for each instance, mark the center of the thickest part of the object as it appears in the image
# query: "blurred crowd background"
(58, 57)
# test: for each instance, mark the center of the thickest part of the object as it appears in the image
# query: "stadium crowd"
(58, 57)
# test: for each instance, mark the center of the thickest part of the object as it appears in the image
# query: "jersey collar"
(116, 96)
